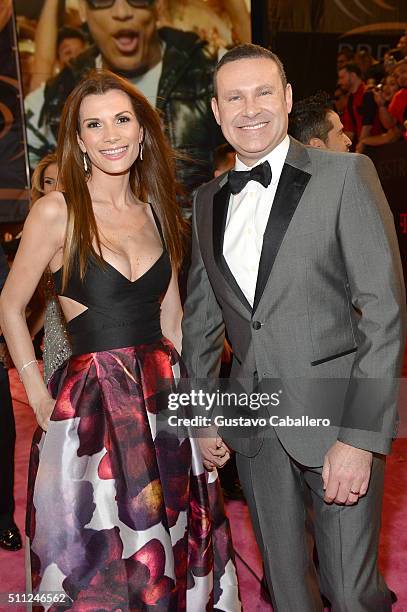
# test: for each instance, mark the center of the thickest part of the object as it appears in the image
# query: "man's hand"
(214, 451)
(346, 473)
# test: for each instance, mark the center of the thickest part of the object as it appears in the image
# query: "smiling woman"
(118, 509)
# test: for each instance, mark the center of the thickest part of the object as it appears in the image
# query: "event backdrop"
(101, 24)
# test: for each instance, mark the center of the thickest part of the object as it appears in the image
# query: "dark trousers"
(7, 446)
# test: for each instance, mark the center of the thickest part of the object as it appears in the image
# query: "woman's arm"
(46, 35)
(171, 313)
(392, 135)
(43, 238)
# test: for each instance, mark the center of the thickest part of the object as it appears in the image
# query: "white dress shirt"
(246, 221)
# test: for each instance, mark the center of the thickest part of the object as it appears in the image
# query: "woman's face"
(390, 86)
(110, 133)
(50, 178)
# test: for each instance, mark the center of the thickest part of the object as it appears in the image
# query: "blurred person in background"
(392, 105)
(369, 66)
(360, 118)
(343, 57)
(10, 537)
(402, 45)
(313, 122)
(223, 159)
(340, 100)
(173, 69)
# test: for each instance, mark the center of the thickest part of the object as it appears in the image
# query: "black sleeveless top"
(120, 312)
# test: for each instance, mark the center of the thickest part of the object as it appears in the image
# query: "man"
(398, 106)
(402, 45)
(392, 115)
(303, 272)
(71, 42)
(313, 122)
(10, 538)
(223, 159)
(173, 69)
(360, 118)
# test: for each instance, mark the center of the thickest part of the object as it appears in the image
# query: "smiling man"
(173, 69)
(295, 255)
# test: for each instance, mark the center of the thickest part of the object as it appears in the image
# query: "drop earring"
(141, 151)
(85, 163)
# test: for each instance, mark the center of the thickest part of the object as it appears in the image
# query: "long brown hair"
(151, 179)
(37, 179)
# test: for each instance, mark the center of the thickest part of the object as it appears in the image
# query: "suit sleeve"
(375, 281)
(203, 328)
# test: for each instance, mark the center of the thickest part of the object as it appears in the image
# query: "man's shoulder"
(207, 190)
(335, 161)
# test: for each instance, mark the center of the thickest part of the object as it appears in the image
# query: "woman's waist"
(112, 335)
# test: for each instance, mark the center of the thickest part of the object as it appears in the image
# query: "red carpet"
(393, 548)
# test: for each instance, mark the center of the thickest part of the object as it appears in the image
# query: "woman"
(115, 518)
(56, 344)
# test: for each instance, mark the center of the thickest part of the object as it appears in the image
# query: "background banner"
(167, 48)
(13, 167)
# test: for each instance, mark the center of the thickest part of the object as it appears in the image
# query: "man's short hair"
(352, 67)
(220, 154)
(69, 32)
(309, 118)
(249, 51)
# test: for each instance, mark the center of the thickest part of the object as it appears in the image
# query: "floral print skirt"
(121, 516)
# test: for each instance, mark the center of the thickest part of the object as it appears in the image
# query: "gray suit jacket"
(329, 303)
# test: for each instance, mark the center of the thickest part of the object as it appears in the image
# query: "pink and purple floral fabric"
(121, 514)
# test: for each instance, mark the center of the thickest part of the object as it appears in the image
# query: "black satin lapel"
(220, 210)
(290, 188)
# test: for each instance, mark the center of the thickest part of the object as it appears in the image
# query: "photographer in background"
(10, 538)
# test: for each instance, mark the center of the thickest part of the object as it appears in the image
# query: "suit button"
(256, 325)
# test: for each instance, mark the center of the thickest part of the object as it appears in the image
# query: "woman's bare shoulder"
(51, 208)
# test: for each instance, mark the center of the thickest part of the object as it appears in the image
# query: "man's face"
(400, 73)
(252, 107)
(341, 60)
(337, 139)
(402, 44)
(125, 35)
(68, 49)
(344, 79)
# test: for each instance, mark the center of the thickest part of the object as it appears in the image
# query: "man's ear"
(317, 143)
(289, 97)
(215, 109)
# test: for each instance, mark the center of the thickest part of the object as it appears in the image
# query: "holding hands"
(215, 452)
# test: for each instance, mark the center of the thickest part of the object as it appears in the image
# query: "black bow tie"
(239, 179)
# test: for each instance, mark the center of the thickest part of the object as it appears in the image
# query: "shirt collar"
(276, 159)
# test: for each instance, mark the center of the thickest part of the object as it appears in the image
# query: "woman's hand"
(43, 412)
